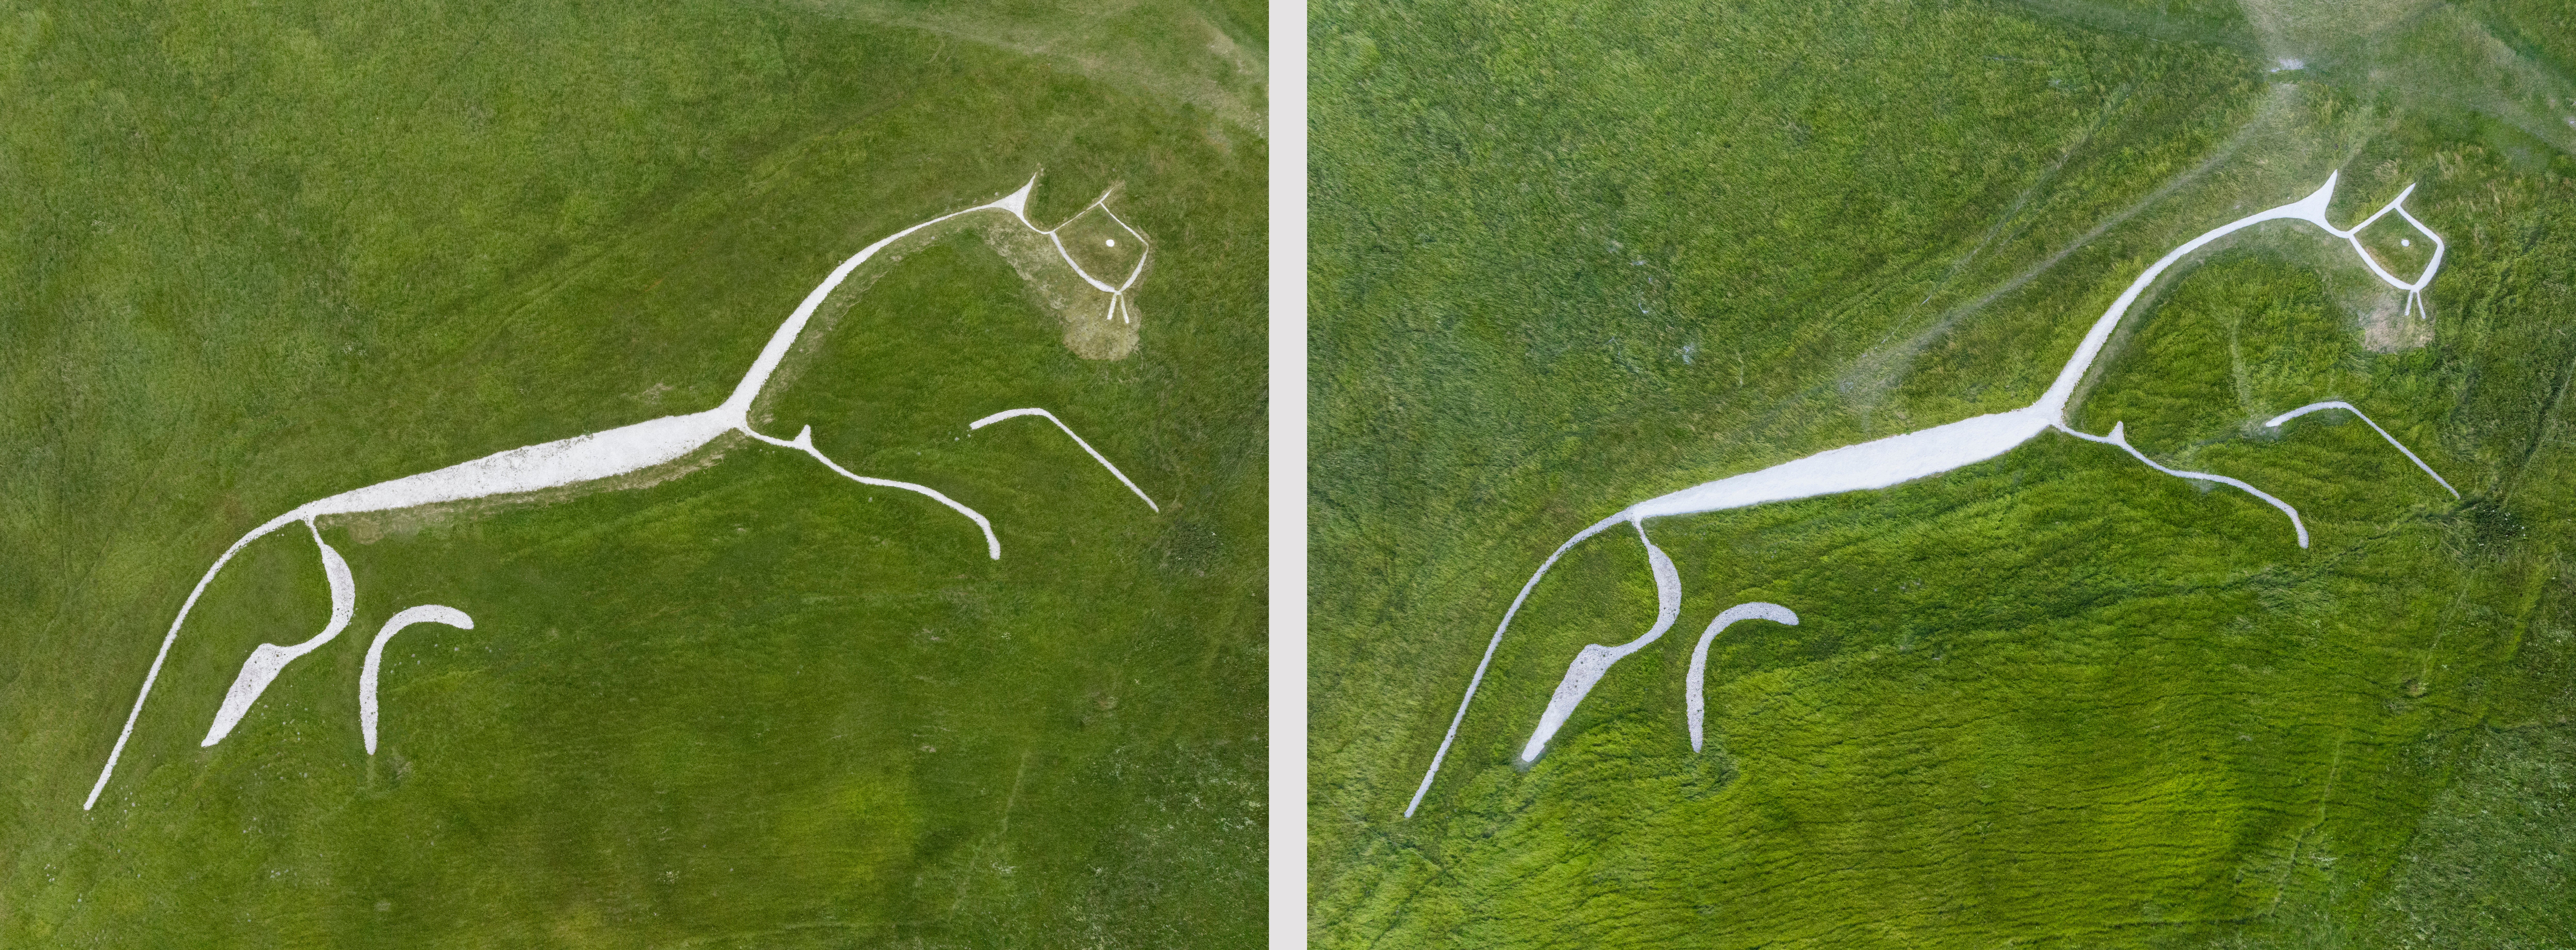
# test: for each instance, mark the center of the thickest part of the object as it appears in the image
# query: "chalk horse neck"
(588, 461)
(1901, 458)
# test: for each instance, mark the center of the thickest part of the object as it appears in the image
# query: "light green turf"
(258, 254)
(1567, 258)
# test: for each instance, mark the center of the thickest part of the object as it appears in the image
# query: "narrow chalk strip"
(2383, 433)
(1479, 679)
(2118, 439)
(1077, 440)
(804, 442)
(170, 638)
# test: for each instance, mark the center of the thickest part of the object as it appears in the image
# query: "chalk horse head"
(1104, 256)
(1084, 270)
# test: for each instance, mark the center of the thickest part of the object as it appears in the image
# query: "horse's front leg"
(2120, 439)
(804, 442)
(1077, 440)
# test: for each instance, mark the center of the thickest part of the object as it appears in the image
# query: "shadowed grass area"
(1567, 259)
(258, 255)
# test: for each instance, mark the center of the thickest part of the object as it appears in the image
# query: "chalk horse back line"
(584, 459)
(1889, 461)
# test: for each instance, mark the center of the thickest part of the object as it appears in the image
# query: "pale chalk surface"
(269, 659)
(1878, 463)
(1594, 660)
(582, 458)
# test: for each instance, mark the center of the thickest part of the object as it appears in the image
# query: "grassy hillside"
(261, 254)
(1568, 258)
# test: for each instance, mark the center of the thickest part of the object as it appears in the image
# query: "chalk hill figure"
(591, 461)
(1881, 463)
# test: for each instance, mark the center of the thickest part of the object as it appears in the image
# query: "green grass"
(260, 254)
(1569, 258)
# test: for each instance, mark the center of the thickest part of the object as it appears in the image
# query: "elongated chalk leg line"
(425, 613)
(804, 442)
(1479, 678)
(2276, 421)
(2117, 438)
(1077, 440)
(153, 674)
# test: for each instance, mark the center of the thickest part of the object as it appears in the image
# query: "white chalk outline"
(581, 459)
(1595, 659)
(1881, 463)
(804, 442)
(1077, 440)
(425, 613)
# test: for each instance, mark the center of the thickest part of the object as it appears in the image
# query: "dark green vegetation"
(1568, 258)
(255, 255)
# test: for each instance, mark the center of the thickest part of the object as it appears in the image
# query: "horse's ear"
(1017, 202)
(2313, 207)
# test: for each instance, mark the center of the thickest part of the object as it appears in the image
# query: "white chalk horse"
(591, 459)
(1901, 458)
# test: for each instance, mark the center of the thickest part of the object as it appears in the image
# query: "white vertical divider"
(1287, 122)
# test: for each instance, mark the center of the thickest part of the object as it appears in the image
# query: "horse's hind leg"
(1699, 655)
(1595, 659)
(269, 659)
(425, 613)
(804, 442)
